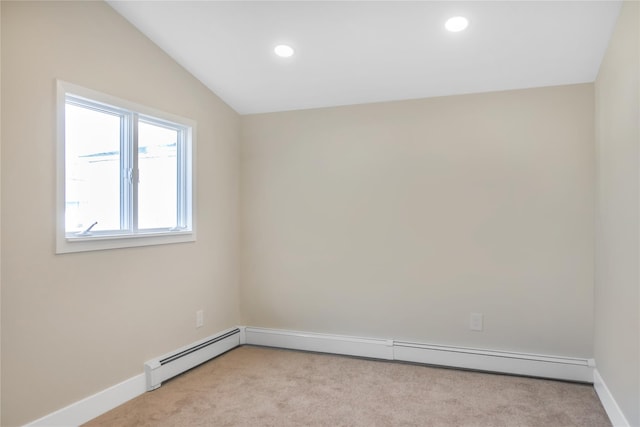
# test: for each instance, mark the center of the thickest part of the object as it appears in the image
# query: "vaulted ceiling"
(352, 52)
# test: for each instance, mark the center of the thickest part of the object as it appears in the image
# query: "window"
(125, 173)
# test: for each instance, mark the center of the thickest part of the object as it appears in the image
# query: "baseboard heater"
(556, 367)
(169, 365)
(535, 365)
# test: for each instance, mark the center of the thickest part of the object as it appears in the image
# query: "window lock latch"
(130, 175)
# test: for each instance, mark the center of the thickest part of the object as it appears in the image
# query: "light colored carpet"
(254, 386)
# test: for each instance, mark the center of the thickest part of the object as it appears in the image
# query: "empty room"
(320, 213)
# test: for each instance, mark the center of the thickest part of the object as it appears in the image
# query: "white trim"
(610, 405)
(93, 406)
(69, 243)
(323, 343)
(536, 365)
(557, 367)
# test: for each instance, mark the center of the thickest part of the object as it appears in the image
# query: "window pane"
(158, 168)
(92, 169)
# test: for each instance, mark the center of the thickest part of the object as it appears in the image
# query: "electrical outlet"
(199, 318)
(475, 322)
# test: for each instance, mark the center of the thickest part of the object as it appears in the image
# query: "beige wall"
(74, 324)
(397, 220)
(617, 296)
(393, 220)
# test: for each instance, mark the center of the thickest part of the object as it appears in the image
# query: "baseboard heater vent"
(169, 365)
(534, 365)
(556, 367)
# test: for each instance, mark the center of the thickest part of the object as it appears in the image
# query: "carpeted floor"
(254, 386)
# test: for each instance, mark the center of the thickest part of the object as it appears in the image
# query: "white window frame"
(78, 242)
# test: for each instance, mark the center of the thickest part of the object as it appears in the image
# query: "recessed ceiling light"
(457, 23)
(283, 50)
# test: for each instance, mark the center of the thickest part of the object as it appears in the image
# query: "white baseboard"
(565, 368)
(323, 343)
(93, 406)
(614, 412)
(574, 369)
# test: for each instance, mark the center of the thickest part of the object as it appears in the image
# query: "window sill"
(75, 243)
